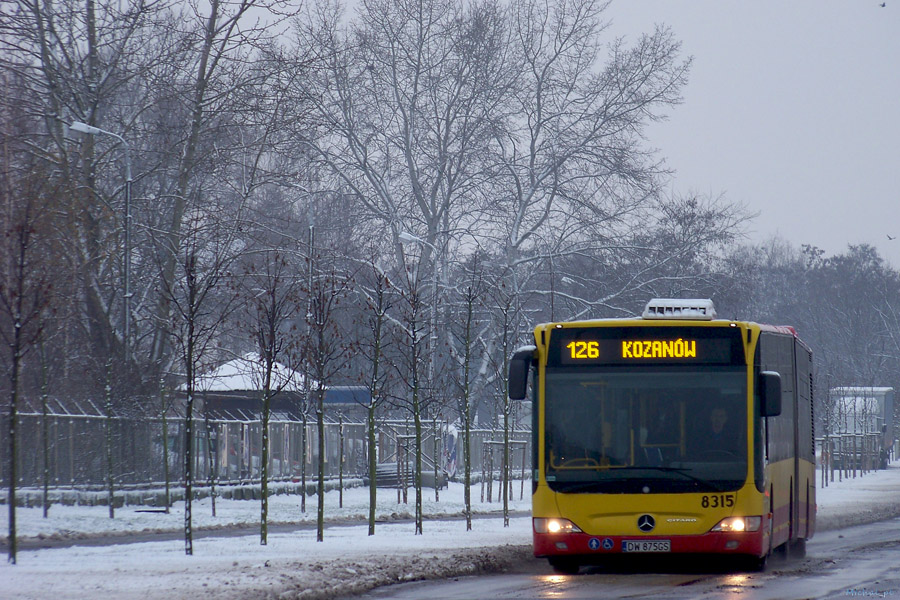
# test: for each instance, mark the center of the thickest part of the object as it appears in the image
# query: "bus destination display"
(679, 348)
(598, 345)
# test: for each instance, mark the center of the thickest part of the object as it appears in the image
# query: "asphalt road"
(856, 561)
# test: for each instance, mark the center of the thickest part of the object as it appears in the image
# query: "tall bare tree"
(25, 196)
(409, 367)
(201, 307)
(326, 352)
(470, 299)
(220, 52)
(408, 96)
(377, 294)
(271, 289)
(88, 62)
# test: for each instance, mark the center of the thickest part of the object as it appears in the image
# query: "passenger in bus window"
(663, 425)
(659, 436)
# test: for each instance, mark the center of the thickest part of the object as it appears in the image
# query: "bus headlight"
(543, 525)
(738, 524)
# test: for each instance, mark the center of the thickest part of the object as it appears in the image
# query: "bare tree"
(218, 52)
(24, 289)
(408, 95)
(273, 293)
(83, 61)
(409, 367)
(470, 295)
(326, 351)
(377, 296)
(571, 149)
(203, 260)
(571, 178)
(506, 311)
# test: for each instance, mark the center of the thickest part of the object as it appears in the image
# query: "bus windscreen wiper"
(585, 486)
(680, 471)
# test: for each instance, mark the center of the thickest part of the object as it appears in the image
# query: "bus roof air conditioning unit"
(676, 308)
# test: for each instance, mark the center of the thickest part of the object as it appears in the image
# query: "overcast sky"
(792, 108)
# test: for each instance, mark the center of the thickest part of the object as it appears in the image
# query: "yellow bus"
(675, 432)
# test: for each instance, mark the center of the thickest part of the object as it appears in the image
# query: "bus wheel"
(564, 566)
(781, 552)
(755, 564)
(797, 549)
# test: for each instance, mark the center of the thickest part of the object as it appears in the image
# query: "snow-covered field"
(294, 565)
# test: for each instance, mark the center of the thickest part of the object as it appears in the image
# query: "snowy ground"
(73, 522)
(294, 565)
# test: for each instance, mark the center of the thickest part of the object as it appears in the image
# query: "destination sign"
(626, 345)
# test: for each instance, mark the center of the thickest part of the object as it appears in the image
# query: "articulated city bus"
(675, 432)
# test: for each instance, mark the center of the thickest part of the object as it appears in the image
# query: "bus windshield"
(646, 430)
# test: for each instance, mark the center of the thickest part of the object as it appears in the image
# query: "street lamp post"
(126, 270)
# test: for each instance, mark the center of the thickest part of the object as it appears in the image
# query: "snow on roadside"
(852, 501)
(290, 566)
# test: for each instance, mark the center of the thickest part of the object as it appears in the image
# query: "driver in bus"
(719, 439)
(717, 419)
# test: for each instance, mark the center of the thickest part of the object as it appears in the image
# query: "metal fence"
(77, 450)
(846, 455)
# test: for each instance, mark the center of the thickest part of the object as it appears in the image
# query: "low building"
(234, 391)
(864, 410)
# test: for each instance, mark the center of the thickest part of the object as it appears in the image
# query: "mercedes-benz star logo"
(646, 523)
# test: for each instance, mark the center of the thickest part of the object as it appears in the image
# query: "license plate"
(646, 546)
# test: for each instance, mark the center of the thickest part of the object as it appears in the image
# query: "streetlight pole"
(126, 270)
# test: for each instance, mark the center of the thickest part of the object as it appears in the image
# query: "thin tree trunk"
(264, 475)
(13, 399)
(45, 434)
(165, 434)
(211, 455)
(437, 496)
(320, 424)
(110, 489)
(373, 394)
(373, 466)
(505, 476)
(189, 443)
(467, 466)
(417, 423)
(303, 459)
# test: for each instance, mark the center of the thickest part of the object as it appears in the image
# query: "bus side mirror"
(519, 365)
(769, 386)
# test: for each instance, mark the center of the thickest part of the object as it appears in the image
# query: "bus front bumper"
(572, 544)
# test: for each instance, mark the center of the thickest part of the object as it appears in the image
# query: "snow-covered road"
(295, 565)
